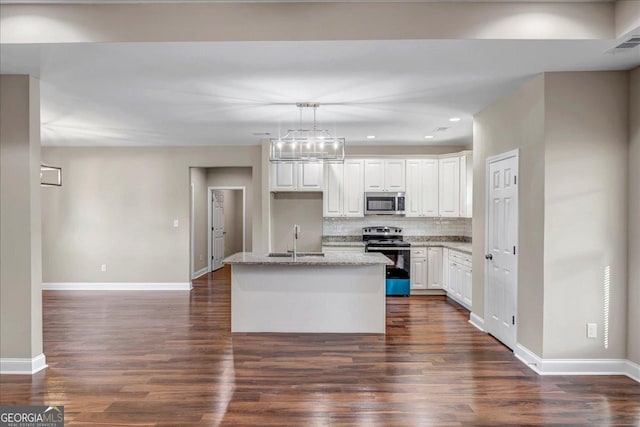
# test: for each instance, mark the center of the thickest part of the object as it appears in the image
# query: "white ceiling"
(220, 93)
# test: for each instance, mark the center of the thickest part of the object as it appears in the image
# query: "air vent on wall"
(630, 43)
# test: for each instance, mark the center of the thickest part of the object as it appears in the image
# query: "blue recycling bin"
(398, 287)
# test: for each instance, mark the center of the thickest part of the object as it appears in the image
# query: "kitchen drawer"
(460, 258)
(418, 252)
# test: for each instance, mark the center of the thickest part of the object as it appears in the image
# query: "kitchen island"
(338, 292)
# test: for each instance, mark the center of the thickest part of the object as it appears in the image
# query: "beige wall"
(515, 121)
(197, 21)
(586, 140)
(200, 217)
(304, 209)
(627, 16)
(633, 300)
(20, 226)
(240, 177)
(572, 131)
(117, 207)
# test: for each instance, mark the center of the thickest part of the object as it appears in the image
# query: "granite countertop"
(451, 242)
(359, 244)
(463, 247)
(336, 258)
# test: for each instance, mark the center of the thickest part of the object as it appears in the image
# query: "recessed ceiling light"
(371, 137)
(428, 137)
(455, 119)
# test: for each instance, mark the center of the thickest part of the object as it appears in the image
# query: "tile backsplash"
(410, 226)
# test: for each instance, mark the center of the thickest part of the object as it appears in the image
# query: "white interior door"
(501, 257)
(217, 232)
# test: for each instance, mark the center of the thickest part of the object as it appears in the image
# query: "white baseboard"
(477, 321)
(427, 292)
(633, 370)
(529, 358)
(458, 301)
(116, 286)
(11, 366)
(577, 366)
(199, 273)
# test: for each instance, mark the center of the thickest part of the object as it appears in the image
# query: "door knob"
(488, 256)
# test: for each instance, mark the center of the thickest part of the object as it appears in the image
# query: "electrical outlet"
(592, 330)
(103, 267)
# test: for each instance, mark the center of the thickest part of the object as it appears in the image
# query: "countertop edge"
(344, 259)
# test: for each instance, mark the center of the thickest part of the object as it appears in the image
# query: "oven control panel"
(381, 231)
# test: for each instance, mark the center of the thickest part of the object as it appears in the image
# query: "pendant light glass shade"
(307, 145)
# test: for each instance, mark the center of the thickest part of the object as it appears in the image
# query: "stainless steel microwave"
(384, 203)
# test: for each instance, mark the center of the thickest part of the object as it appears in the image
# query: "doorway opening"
(502, 249)
(227, 224)
(221, 217)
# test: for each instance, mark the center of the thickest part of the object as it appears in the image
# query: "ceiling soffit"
(142, 22)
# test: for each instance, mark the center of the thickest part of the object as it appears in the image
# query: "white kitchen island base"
(308, 298)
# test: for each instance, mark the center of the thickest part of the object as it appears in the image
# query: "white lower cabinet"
(434, 268)
(418, 272)
(459, 280)
(445, 269)
(467, 288)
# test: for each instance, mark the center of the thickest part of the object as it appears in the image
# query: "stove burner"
(382, 236)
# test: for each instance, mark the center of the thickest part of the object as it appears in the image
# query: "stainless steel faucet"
(296, 231)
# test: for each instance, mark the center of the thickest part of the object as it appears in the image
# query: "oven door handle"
(406, 248)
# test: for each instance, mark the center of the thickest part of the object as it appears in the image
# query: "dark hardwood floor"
(168, 359)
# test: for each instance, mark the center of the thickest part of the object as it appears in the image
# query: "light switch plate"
(176, 223)
(592, 330)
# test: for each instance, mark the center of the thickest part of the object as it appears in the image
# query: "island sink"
(290, 254)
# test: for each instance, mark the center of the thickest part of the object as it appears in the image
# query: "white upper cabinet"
(422, 188)
(413, 201)
(438, 186)
(343, 194)
(283, 177)
(449, 187)
(353, 188)
(296, 176)
(374, 175)
(394, 175)
(430, 179)
(332, 196)
(310, 176)
(384, 175)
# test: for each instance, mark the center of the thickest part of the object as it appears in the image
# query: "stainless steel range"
(389, 242)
